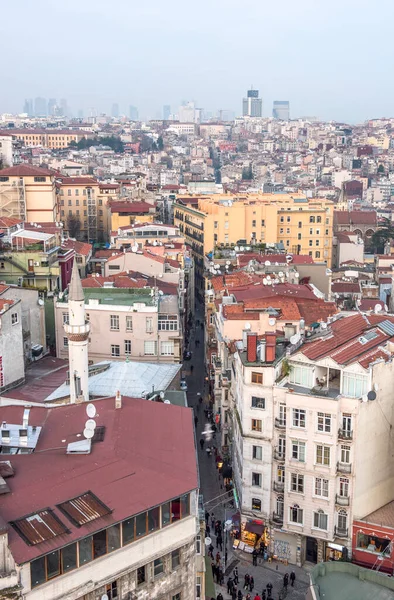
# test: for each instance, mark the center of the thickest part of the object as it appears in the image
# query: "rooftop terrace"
(344, 581)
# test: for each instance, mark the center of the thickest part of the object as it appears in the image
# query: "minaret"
(77, 331)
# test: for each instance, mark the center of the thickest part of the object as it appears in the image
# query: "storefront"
(253, 535)
(373, 546)
(335, 552)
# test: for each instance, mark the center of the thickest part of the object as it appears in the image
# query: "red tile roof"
(345, 287)
(355, 217)
(6, 222)
(6, 303)
(370, 304)
(119, 206)
(25, 170)
(69, 181)
(82, 248)
(146, 458)
(297, 259)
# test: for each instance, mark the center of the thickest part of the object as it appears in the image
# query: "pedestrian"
(219, 596)
(230, 585)
(240, 595)
(292, 578)
(213, 567)
(207, 531)
(219, 575)
(257, 597)
(286, 580)
(217, 558)
(210, 550)
(248, 597)
(206, 512)
(208, 451)
(202, 443)
(246, 581)
(251, 583)
(195, 421)
(219, 543)
(269, 590)
(263, 595)
(191, 368)
(234, 594)
(254, 555)
(235, 573)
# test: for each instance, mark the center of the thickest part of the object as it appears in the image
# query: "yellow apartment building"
(28, 193)
(303, 225)
(50, 138)
(130, 212)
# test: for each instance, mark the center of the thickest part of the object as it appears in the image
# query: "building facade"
(28, 193)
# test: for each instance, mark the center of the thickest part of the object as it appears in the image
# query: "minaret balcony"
(77, 329)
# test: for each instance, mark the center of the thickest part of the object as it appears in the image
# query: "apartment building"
(126, 323)
(140, 235)
(307, 458)
(12, 359)
(299, 224)
(79, 198)
(124, 213)
(28, 193)
(50, 138)
(109, 515)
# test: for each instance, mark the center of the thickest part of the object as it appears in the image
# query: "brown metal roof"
(83, 509)
(39, 527)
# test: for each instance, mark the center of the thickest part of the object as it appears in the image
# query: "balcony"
(217, 363)
(279, 487)
(342, 500)
(345, 434)
(344, 468)
(340, 532)
(280, 424)
(277, 518)
(280, 456)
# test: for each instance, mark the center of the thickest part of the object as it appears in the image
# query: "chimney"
(25, 421)
(270, 339)
(118, 400)
(251, 353)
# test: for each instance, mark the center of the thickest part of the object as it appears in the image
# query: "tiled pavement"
(212, 487)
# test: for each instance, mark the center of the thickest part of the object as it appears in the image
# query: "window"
(323, 455)
(114, 322)
(111, 589)
(345, 454)
(99, 544)
(372, 543)
(39, 179)
(343, 487)
(129, 323)
(127, 346)
(318, 219)
(324, 422)
(279, 506)
(69, 558)
(128, 531)
(198, 586)
(320, 520)
(317, 231)
(297, 483)
(256, 504)
(141, 572)
(342, 520)
(317, 254)
(150, 348)
(140, 525)
(167, 348)
(280, 474)
(301, 375)
(256, 425)
(321, 487)
(68, 192)
(296, 515)
(311, 231)
(282, 219)
(226, 224)
(113, 538)
(158, 567)
(115, 350)
(257, 377)
(254, 223)
(14, 318)
(298, 450)
(262, 223)
(4, 179)
(198, 544)
(168, 323)
(299, 224)
(257, 452)
(354, 385)
(281, 230)
(85, 551)
(299, 417)
(317, 243)
(256, 479)
(65, 317)
(215, 224)
(311, 219)
(258, 402)
(287, 230)
(175, 559)
(288, 219)
(299, 236)
(149, 325)
(311, 242)
(65, 342)
(347, 423)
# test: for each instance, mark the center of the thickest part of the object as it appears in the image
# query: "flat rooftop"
(345, 581)
(117, 296)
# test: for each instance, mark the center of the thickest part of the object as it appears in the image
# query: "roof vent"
(80, 447)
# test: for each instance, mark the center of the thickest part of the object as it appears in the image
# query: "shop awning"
(257, 528)
(236, 518)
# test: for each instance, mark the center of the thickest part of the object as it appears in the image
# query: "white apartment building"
(12, 359)
(312, 442)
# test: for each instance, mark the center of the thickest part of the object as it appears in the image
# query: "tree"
(384, 234)
(74, 226)
(381, 169)
(160, 143)
(247, 173)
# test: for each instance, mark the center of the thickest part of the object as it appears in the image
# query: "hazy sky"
(332, 59)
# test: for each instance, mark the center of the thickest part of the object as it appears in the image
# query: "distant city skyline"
(307, 56)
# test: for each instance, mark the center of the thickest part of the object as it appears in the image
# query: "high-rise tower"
(77, 331)
(252, 105)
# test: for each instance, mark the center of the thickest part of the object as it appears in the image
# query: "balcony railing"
(342, 500)
(340, 532)
(344, 467)
(345, 434)
(280, 424)
(277, 518)
(279, 456)
(279, 487)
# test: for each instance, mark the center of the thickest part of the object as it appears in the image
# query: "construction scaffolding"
(92, 215)
(12, 200)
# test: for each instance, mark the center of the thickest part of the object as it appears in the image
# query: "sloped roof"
(25, 170)
(355, 217)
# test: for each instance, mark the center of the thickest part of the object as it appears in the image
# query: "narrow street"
(212, 488)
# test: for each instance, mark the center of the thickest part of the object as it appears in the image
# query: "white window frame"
(345, 450)
(300, 445)
(167, 348)
(354, 385)
(297, 483)
(149, 325)
(65, 318)
(114, 352)
(127, 347)
(321, 487)
(344, 483)
(260, 479)
(114, 323)
(299, 418)
(65, 342)
(324, 422)
(319, 516)
(256, 450)
(299, 513)
(129, 323)
(150, 348)
(301, 375)
(259, 400)
(323, 462)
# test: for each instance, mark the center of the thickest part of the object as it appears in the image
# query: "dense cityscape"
(196, 352)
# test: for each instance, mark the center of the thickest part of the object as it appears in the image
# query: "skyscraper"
(115, 110)
(52, 107)
(64, 110)
(166, 112)
(281, 110)
(252, 105)
(40, 107)
(28, 107)
(133, 112)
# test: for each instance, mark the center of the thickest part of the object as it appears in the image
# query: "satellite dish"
(269, 282)
(247, 326)
(90, 424)
(91, 410)
(323, 325)
(371, 395)
(265, 281)
(267, 263)
(104, 597)
(241, 248)
(228, 262)
(134, 248)
(293, 339)
(236, 248)
(280, 273)
(289, 258)
(296, 274)
(88, 433)
(217, 266)
(364, 399)
(377, 309)
(271, 321)
(268, 277)
(208, 541)
(162, 395)
(154, 243)
(167, 402)
(41, 301)
(276, 281)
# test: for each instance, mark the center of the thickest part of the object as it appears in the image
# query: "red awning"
(254, 527)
